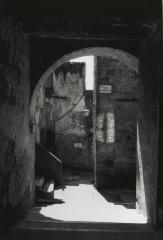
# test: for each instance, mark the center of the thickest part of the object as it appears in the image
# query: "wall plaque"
(105, 88)
(78, 145)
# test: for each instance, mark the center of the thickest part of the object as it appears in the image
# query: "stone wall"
(148, 126)
(16, 143)
(38, 116)
(116, 123)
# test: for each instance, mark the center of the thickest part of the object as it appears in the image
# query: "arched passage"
(122, 56)
(114, 97)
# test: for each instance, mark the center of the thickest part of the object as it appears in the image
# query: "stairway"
(47, 165)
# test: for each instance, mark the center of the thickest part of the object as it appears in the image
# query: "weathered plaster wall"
(148, 125)
(116, 123)
(74, 140)
(65, 116)
(16, 146)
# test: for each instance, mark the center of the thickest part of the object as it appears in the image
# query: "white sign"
(105, 88)
(78, 145)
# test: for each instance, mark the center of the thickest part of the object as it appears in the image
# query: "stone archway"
(122, 56)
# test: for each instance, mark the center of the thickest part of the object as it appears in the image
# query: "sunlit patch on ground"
(85, 203)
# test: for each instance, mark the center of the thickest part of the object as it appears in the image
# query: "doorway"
(112, 106)
(69, 117)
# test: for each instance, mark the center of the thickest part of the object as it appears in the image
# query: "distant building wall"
(116, 123)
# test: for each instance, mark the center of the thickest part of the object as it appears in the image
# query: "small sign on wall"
(78, 145)
(105, 88)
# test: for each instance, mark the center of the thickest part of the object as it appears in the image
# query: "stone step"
(51, 233)
(93, 226)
